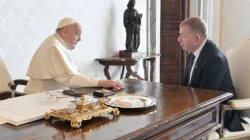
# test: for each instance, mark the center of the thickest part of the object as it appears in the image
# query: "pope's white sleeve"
(77, 81)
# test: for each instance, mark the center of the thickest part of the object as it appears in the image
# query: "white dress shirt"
(196, 54)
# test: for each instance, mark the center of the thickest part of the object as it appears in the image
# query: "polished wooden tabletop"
(120, 59)
(173, 102)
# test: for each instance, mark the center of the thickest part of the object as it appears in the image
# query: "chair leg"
(222, 122)
(223, 110)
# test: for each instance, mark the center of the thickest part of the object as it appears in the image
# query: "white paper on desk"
(28, 108)
(2, 121)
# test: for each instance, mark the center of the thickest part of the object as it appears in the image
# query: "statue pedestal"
(123, 53)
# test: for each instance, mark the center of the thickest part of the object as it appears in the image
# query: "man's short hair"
(197, 25)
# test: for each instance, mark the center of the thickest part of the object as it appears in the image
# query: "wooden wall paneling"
(172, 56)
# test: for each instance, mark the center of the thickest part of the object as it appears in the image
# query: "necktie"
(190, 64)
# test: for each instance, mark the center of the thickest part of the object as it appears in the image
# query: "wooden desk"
(128, 62)
(180, 113)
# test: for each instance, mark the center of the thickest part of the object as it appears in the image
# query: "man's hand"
(110, 83)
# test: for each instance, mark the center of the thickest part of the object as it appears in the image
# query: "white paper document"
(28, 108)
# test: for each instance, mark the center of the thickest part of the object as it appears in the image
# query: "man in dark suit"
(207, 66)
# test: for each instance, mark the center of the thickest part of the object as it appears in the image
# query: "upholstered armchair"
(13, 92)
(13, 85)
(238, 59)
(7, 86)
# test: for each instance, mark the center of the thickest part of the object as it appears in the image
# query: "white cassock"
(5, 75)
(52, 68)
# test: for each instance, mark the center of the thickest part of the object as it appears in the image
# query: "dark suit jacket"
(211, 71)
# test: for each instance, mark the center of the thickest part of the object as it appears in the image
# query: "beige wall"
(235, 23)
(229, 21)
(24, 25)
(211, 14)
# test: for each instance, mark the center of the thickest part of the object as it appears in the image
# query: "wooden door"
(172, 56)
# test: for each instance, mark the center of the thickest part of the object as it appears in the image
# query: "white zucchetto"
(65, 22)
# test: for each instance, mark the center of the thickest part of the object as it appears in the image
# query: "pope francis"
(52, 67)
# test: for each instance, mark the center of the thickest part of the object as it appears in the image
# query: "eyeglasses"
(53, 97)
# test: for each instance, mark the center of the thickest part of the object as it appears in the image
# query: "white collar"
(61, 40)
(198, 51)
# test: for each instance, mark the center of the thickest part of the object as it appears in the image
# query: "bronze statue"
(132, 23)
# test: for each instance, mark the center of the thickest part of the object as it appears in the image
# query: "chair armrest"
(17, 82)
(12, 86)
(21, 82)
(240, 104)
